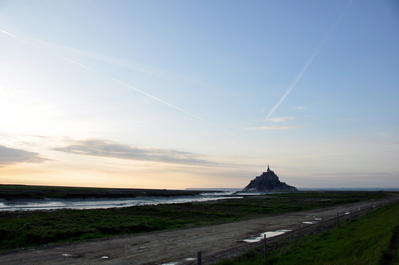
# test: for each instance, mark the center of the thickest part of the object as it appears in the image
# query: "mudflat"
(172, 247)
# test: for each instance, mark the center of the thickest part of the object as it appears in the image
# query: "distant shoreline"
(10, 192)
(306, 189)
(348, 189)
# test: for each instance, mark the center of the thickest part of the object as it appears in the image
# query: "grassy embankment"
(26, 229)
(372, 239)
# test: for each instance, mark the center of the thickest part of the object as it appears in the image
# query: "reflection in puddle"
(268, 234)
(309, 223)
(178, 262)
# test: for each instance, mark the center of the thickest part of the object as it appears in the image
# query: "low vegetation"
(23, 229)
(10, 192)
(372, 239)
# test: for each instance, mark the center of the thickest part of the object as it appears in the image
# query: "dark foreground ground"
(175, 246)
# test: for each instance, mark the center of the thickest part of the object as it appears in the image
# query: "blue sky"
(184, 94)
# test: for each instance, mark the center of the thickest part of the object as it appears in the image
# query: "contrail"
(310, 60)
(115, 80)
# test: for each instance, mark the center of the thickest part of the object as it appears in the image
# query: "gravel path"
(170, 247)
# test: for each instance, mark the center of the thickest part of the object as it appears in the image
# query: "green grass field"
(372, 239)
(33, 228)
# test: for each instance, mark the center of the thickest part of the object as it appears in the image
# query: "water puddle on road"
(310, 222)
(178, 262)
(268, 234)
(315, 221)
(75, 256)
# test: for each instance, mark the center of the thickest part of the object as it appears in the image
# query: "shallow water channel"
(102, 203)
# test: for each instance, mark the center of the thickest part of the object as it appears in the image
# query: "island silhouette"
(268, 181)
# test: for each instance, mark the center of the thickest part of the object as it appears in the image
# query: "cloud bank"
(12, 156)
(104, 148)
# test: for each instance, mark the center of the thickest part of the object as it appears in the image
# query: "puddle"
(309, 222)
(72, 255)
(104, 257)
(268, 235)
(347, 213)
(178, 262)
(316, 219)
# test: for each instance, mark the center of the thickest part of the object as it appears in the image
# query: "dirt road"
(170, 247)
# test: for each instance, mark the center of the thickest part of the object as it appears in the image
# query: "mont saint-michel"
(268, 181)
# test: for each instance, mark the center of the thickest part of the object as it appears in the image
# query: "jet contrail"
(115, 80)
(310, 61)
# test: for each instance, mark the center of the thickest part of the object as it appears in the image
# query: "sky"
(173, 94)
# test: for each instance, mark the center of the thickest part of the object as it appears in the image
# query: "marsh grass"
(32, 228)
(371, 239)
(40, 192)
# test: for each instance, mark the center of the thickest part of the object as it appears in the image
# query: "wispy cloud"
(104, 148)
(312, 58)
(299, 107)
(10, 156)
(114, 79)
(281, 119)
(274, 127)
